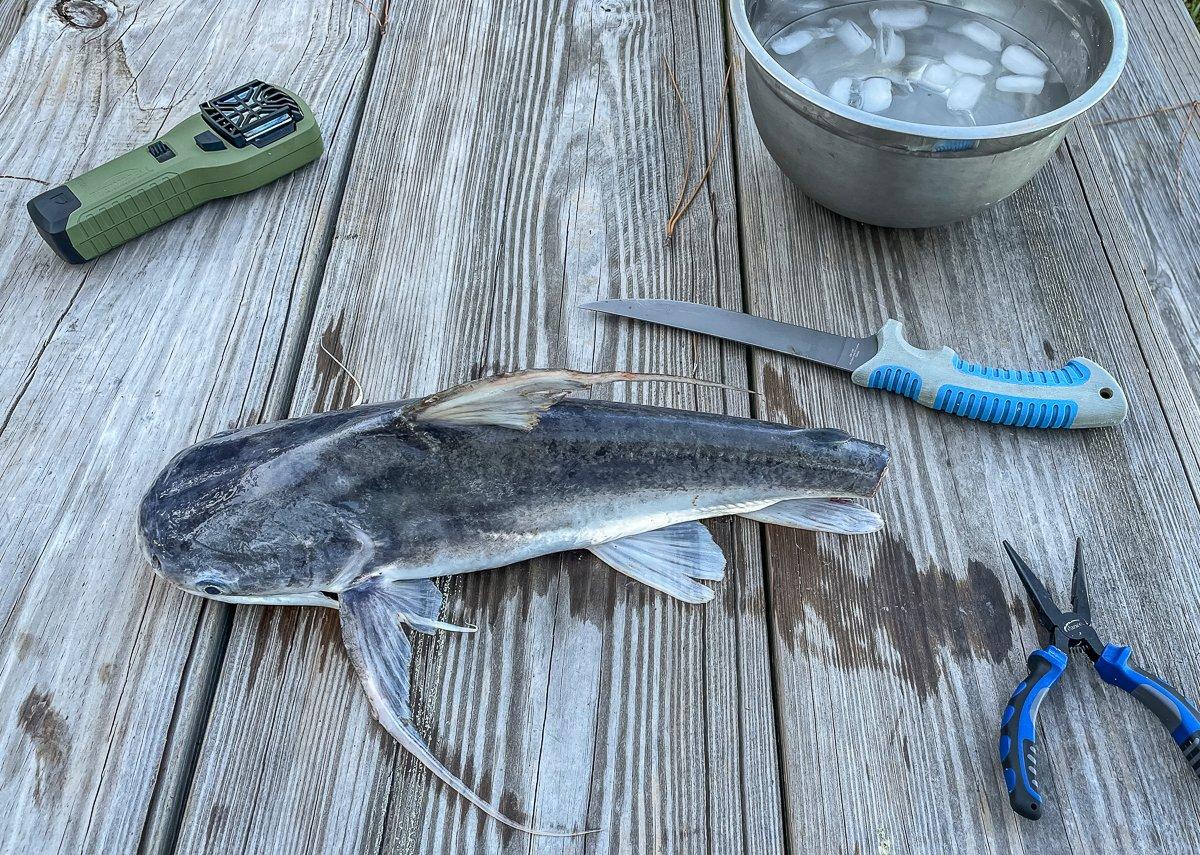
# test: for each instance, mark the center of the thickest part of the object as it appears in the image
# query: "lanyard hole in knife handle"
(1081, 394)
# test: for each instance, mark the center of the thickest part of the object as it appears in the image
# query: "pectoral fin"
(837, 516)
(669, 559)
(381, 654)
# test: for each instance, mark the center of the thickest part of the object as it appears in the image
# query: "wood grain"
(1139, 176)
(1154, 162)
(112, 367)
(895, 656)
(535, 172)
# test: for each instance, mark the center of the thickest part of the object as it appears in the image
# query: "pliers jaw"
(1071, 629)
(1076, 632)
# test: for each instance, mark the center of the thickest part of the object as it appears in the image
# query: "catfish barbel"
(360, 509)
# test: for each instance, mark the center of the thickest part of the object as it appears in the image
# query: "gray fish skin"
(357, 510)
(281, 509)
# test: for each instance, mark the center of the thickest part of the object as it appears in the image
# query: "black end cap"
(49, 213)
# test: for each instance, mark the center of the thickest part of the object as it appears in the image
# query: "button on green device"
(161, 151)
(238, 142)
(208, 141)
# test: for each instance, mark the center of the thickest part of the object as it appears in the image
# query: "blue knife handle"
(1079, 395)
(1018, 730)
(1156, 695)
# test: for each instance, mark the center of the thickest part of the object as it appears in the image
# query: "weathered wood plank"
(532, 172)
(12, 13)
(896, 655)
(1155, 164)
(111, 367)
(1140, 175)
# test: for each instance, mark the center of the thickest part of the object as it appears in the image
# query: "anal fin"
(669, 559)
(837, 516)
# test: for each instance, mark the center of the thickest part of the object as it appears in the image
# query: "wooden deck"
(489, 166)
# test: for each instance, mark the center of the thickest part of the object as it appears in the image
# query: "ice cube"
(900, 16)
(876, 94)
(965, 93)
(968, 64)
(890, 46)
(982, 35)
(1025, 84)
(792, 40)
(937, 77)
(1023, 61)
(830, 28)
(805, 81)
(844, 91)
(851, 35)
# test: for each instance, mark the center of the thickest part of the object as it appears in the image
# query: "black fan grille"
(248, 112)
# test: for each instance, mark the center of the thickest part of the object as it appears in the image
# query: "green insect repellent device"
(238, 141)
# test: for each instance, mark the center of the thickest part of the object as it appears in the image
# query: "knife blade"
(834, 350)
(1081, 394)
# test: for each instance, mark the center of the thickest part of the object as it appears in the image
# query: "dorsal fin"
(518, 400)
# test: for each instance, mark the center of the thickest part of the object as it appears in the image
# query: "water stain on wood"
(328, 628)
(896, 618)
(274, 634)
(780, 396)
(592, 589)
(216, 819)
(47, 730)
(334, 387)
(26, 642)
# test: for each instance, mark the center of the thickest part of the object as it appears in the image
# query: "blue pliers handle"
(1157, 695)
(1073, 629)
(1018, 728)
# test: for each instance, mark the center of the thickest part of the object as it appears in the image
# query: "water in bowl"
(921, 62)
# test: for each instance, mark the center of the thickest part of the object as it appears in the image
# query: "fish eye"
(211, 588)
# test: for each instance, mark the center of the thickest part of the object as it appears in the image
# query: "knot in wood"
(81, 14)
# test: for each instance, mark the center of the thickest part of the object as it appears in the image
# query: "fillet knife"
(239, 141)
(1081, 394)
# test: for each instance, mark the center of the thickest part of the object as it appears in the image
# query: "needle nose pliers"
(1068, 630)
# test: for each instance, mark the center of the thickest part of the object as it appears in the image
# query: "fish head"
(223, 523)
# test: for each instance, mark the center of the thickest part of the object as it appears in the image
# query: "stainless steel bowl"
(902, 174)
